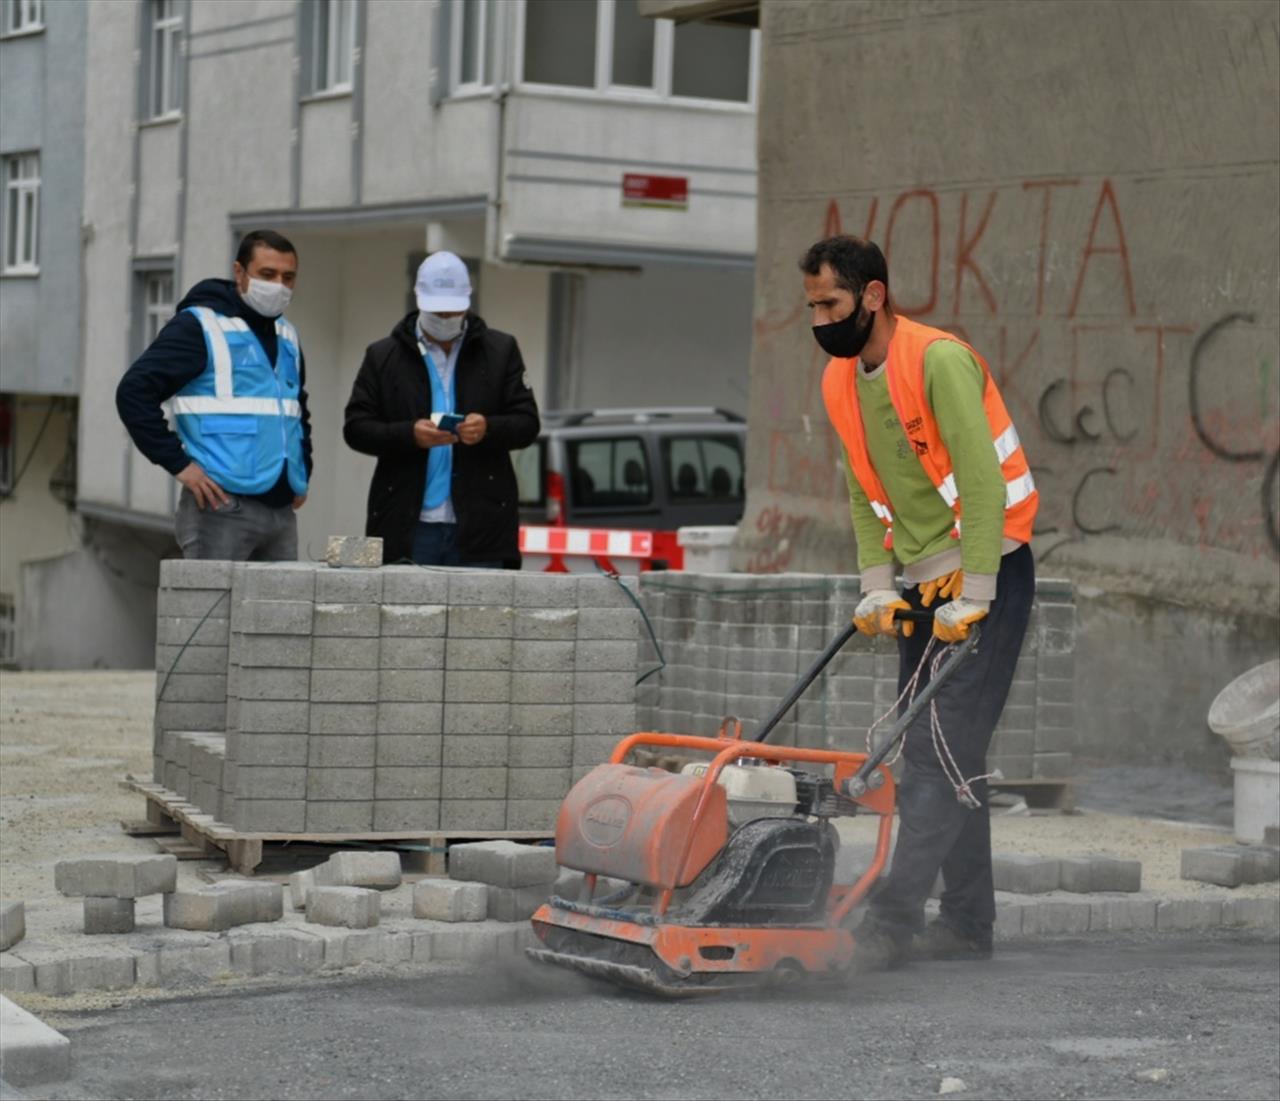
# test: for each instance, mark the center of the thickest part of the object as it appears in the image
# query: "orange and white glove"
(874, 614)
(942, 588)
(951, 622)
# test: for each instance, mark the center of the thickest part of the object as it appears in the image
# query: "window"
(530, 467)
(703, 468)
(23, 16)
(333, 33)
(471, 59)
(607, 46)
(164, 44)
(157, 303)
(609, 473)
(22, 214)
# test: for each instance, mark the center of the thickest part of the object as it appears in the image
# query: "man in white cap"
(441, 403)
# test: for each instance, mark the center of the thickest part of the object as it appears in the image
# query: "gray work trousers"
(242, 530)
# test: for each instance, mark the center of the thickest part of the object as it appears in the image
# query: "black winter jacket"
(176, 357)
(392, 391)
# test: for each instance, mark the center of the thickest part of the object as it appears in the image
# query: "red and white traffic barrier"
(553, 549)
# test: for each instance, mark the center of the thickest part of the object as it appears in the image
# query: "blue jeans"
(437, 545)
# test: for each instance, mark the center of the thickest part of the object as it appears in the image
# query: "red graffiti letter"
(898, 203)
(1048, 186)
(1108, 196)
(964, 253)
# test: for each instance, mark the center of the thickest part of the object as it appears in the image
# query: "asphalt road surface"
(1152, 1017)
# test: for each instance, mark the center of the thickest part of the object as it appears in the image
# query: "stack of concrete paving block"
(517, 878)
(191, 766)
(111, 886)
(735, 643)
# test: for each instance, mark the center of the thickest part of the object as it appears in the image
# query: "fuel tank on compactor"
(635, 824)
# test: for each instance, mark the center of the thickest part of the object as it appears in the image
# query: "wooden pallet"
(203, 837)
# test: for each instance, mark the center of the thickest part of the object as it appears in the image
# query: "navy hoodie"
(176, 357)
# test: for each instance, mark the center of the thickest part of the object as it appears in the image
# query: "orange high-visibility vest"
(905, 373)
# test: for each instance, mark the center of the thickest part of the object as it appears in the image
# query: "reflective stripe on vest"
(262, 407)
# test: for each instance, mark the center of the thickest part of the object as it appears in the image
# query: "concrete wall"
(42, 86)
(1093, 206)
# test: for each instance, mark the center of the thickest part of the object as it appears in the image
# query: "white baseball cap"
(442, 285)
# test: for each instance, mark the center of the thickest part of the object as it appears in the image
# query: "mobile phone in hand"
(447, 422)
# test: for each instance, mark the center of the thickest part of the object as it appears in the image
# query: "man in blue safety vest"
(231, 370)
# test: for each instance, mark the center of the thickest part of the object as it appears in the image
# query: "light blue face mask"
(441, 328)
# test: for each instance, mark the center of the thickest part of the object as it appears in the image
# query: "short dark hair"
(269, 238)
(855, 262)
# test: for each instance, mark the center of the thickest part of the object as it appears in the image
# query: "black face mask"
(845, 339)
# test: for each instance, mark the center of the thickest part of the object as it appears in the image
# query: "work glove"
(951, 621)
(874, 614)
(944, 587)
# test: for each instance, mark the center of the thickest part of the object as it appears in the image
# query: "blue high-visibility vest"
(241, 419)
(439, 484)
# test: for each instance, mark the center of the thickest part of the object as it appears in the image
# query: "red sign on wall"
(667, 192)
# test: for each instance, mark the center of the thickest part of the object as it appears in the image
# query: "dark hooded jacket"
(176, 357)
(392, 391)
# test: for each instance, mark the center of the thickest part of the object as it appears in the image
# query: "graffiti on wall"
(1086, 366)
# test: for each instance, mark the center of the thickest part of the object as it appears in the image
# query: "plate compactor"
(728, 865)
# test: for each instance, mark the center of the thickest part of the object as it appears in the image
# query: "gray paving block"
(339, 816)
(488, 686)
(274, 617)
(544, 688)
(540, 751)
(269, 815)
(192, 603)
(414, 585)
(516, 903)
(278, 951)
(376, 869)
(409, 750)
(475, 750)
(191, 659)
(447, 900)
(273, 651)
(477, 718)
(349, 907)
(1121, 914)
(345, 686)
(195, 573)
(1051, 766)
(1223, 865)
(413, 620)
(608, 656)
(191, 716)
(401, 652)
(491, 587)
(193, 631)
(539, 783)
(344, 718)
(362, 552)
(473, 814)
(272, 717)
(224, 904)
(109, 915)
(411, 685)
(299, 884)
(503, 863)
(1083, 874)
(544, 590)
(1025, 875)
(337, 586)
(1188, 913)
(347, 620)
(339, 784)
(604, 688)
(194, 688)
(472, 941)
(554, 624)
(16, 976)
(406, 782)
(345, 653)
(604, 718)
(411, 718)
(274, 581)
(247, 748)
(593, 749)
(31, 1053)
(342, 751)
(473, 783)
(270, 782)
(406, 815)
(480, 621)
(543, 656)
(1253, 912)
(478, 654)
(538, 719)
(532, 814)
(1046, 917)
(1262, 863)
(126, 876)
(1008, 923)
(598, 591)
(13, 924)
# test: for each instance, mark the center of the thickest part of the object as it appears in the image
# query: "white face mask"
(268, 299)
(441, 328)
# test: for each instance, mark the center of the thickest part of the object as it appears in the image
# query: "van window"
(530, 464)
(703, 468)
(609, 473)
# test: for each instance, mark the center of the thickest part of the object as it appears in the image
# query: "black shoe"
(876, 950)
(940, 941)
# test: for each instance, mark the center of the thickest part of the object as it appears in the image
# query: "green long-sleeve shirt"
(922, 522)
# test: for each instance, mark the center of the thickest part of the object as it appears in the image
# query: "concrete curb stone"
(31, 1053)
(13, 924)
